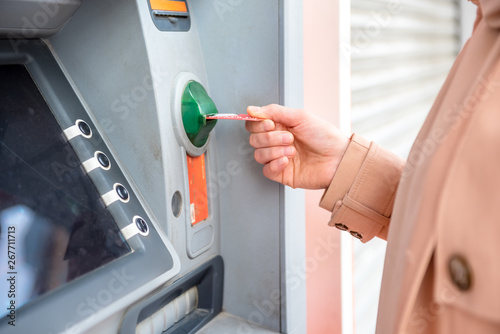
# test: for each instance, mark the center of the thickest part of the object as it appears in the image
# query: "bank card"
(239, 117)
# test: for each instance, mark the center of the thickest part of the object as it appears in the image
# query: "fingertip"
(249, 126)
(262, 126)
(268, 125)
(252, 110)
(278, 165)
(281, 114)
(252, 140)
(273, 169)
(289, 151)
(283, 162)
(287, 138)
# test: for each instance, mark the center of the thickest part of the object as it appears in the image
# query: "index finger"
(262, 126)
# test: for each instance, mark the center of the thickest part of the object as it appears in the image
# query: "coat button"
(341, 227)
(460, 272)
(356, 235)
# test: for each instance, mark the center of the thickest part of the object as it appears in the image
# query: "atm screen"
(53, 225)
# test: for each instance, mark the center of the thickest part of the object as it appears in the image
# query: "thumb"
(279, 114)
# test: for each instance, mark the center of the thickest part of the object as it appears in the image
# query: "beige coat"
(442, 267)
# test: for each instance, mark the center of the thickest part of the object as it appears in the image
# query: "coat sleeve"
(361, 194)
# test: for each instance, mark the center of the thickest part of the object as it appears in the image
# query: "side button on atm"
(81, 128)
(138, 226)
(119, 193)
(100, 160)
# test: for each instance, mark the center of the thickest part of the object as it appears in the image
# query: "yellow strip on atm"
(169, 5)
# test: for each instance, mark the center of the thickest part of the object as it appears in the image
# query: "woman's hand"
(297, 149)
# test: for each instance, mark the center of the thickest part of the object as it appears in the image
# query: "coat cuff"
(361, 194)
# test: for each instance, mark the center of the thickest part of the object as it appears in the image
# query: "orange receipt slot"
(198, 200)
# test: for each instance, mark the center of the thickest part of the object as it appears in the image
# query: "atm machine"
(123, 208)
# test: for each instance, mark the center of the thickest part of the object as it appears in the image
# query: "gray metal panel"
(34, 18)
(170, 55)
(226, 323)
(208, 280)
(240, 43)
(103, 50)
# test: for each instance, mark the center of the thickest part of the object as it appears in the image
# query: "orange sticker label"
(168, 5)
(198, 199)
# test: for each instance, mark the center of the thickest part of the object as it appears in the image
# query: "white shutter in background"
(401, 52)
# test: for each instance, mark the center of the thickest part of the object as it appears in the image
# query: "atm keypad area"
(109, 220)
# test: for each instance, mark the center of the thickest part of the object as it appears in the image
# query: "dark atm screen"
(51, 215)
